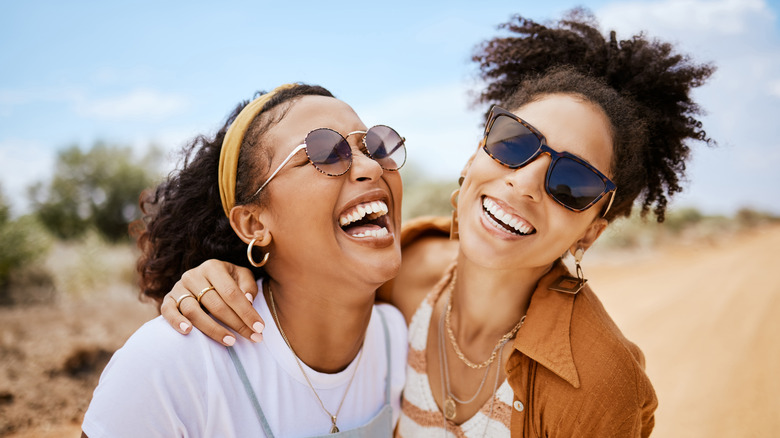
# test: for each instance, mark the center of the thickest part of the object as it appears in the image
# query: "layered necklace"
(450, 406)
(333, 417)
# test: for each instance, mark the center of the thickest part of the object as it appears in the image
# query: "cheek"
(396, 188)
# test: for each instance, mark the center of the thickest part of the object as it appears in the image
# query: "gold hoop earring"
(454, 222)
(454, 202)
(249, 255)
(569, 284)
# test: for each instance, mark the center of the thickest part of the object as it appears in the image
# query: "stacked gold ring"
(203, 292)
(181, 298)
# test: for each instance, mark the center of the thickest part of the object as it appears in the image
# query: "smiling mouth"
(505, 221)
(368, 219)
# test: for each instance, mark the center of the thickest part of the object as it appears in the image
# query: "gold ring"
(181, 298)
(203, 292)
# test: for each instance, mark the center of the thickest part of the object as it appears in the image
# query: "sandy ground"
(705, 315)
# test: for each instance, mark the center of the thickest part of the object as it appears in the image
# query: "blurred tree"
(97, 189)
(4, 209)
(424, 196)
(22, 241)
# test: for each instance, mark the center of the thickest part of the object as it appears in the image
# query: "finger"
(246, 282)
(206, 324)
(171, 314)
(231, 284)
(198, 282)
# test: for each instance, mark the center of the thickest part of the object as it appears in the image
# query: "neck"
(504, 295)
(324, 332)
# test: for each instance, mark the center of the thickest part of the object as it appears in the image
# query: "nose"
(528, 181)
(364, 168)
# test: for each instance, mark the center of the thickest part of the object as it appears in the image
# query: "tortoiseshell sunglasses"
(571, 181)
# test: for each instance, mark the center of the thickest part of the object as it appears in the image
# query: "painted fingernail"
(256, 337)
(248, 297)
(229, 340)
(258, 327)
(183, 326)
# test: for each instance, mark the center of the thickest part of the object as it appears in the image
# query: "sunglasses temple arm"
(611, 199)
(399, 145)
(286, 160)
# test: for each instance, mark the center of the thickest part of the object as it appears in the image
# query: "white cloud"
(441, 131)
(722, 17)
(22, 163)
(137, 104)
(774, 88)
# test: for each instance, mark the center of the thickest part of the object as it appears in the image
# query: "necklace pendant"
(450, 410)
(334, 429)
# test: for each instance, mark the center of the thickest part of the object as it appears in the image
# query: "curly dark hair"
(183, 221)
(642, 86)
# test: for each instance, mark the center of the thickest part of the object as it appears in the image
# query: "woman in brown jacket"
(502, 336)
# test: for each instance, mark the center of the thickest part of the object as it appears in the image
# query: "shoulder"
(156, 375)
(396, 326)
(427, 252)
(607, 362)
(157, 342)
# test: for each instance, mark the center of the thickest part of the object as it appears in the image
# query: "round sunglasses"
(330, 153)
(571, 181)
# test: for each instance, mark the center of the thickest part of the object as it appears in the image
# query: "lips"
(365, 220)
(504, 220)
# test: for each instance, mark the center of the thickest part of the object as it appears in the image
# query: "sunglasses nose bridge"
(529, 179)
(364, 167)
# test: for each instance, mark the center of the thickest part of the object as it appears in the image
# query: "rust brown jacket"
(573, 372)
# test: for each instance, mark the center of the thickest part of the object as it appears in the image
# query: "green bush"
(96, 189)
(423, 196)
(24, 241)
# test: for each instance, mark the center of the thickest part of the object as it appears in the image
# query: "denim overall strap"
(250, 392)
(380, 425)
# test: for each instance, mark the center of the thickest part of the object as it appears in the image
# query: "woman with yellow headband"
(297, 189)
(503, 338)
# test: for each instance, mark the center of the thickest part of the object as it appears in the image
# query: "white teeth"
(372, 233)
(505, 217)
(372, 210)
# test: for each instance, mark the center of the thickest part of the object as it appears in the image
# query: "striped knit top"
(420, 416)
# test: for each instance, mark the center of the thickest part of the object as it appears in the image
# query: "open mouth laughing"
(368, 219)
(505, 221)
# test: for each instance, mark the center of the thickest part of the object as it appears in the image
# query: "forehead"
(311, 112)
(573, 125)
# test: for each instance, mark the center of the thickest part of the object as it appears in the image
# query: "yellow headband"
(231, 146)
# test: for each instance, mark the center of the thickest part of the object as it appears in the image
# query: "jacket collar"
(546, 336)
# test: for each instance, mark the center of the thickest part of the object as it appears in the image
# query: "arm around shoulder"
(427, 252)
(147, 384)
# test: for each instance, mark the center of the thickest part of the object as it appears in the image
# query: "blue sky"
(143, 72)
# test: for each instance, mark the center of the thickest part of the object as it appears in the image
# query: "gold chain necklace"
(454, 342)
(333, 418)
(450, 407)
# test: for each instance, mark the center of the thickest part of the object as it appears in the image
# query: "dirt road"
(707, 320)
(705, 316)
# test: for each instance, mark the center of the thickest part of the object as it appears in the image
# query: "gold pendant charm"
(449, 409)
(567, 284)
(334, 429)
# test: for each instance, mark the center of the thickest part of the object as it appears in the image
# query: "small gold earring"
(454, 222)
(569, 284)
(454, 202)
(249, 255)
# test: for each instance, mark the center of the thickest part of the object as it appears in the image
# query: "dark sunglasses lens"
(574, 184)
(510, 142)
(328, 151)
(386, 147)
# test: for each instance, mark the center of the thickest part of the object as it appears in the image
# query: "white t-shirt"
(164, 384)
